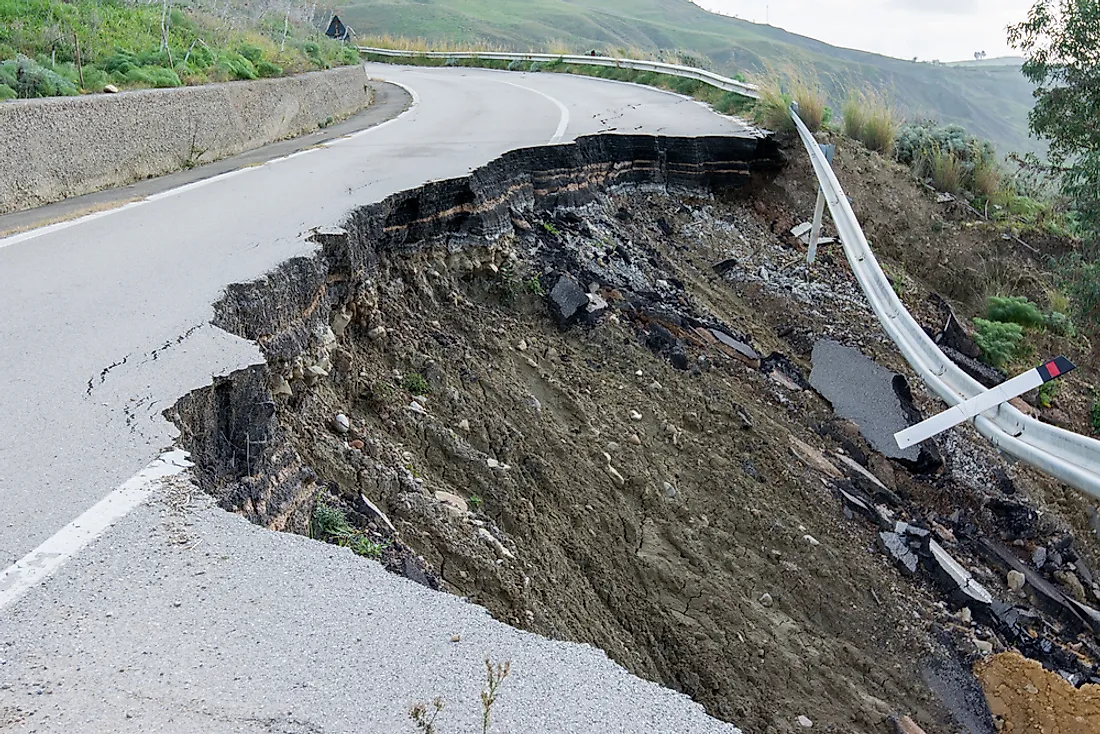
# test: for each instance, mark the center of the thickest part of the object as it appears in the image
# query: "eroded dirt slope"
(595, 419)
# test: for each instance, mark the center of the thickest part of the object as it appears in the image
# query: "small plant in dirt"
(1094, 417)
(330, 524)
(424, 714)
(476, 502)
(533, 285)
(416, 384)
(549, 227)
(1015, 310)
(1000, 343)
(1046, 393)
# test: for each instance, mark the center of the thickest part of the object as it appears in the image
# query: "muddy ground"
(599, 426)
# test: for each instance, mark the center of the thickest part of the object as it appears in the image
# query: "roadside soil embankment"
(56, 148)
(575, 387)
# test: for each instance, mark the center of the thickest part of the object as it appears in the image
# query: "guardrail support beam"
(815, 230)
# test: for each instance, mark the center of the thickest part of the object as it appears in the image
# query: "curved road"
(105, 324)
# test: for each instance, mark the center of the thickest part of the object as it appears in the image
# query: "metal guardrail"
(1067, 456)
(686, 72)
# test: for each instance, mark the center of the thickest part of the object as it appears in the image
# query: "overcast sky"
(948, 30)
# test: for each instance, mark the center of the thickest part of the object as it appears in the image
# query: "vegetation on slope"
(52, 48)
(991, 101)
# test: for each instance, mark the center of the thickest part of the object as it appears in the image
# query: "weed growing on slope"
(1094, 417)
(1015, 310)
(424, 714)
(331, 525)
(416, 384)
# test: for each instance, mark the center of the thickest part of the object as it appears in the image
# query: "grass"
(49, 48)
(416, 384)
(946, 170)
(854, 116)
(330, 524)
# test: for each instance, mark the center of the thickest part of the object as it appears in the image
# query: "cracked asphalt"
(184, 618)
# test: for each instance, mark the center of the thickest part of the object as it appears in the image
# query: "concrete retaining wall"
(55, 148)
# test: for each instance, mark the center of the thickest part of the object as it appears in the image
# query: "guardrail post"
(819, 210)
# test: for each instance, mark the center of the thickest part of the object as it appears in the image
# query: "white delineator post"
(980, 403)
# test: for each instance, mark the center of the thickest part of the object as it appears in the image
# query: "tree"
(1061, 40)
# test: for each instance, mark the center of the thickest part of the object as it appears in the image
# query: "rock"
(341, 424)
(378, 333)
(670, 491)
(492, 463)
(279, 386)
(340, 321)
(960, 583)
(944, 534)
(453, 501)
(766, 599)
(897, 548)
(736, 349)
(965, 615)
(615, 475)
(1039, 557)
(521, 345)
(805, 722)
(813, 458)
(596, 304)
(814, 542)
(110, 89)
(1073, 584)
(378, 513)
(905, 725)
(635, 439)
(782, 380)
(496, 544)
(984, 647)
(357, 445)
(567, 299)
(456, 638)
(316, 371)
(464, 425)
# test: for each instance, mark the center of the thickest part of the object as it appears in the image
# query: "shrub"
(1081, 280)
(974, 161)
(153, 76)
(1000, 343)
(7, 92)
(1015, 310)
(416, 384)
(27, 78)
(516, 65)
(252, 53)
(1094, 417)
(1060, 324)
(266, 69)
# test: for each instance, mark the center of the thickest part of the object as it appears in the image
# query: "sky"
(944, 30)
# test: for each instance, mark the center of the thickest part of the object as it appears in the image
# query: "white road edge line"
(40, 563)
(58, 226)
(563, 123)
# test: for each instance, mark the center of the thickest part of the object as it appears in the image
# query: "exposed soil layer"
(572, 388)
(1026, 698)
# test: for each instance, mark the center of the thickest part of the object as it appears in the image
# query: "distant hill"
(1014, 61)
(991, 100)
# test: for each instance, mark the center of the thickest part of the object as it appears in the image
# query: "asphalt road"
(191, 619)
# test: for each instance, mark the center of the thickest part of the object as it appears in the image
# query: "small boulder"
(341, 424)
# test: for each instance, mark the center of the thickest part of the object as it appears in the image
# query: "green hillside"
(990, 100)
